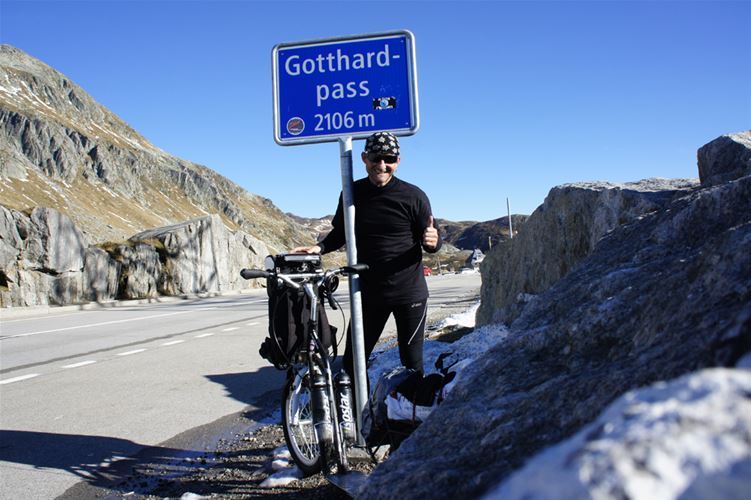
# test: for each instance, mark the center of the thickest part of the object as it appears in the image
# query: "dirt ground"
(240, 464)
(240, 468)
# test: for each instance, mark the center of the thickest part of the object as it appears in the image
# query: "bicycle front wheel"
(298, 424)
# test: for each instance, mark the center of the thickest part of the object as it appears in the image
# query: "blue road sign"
(345, 87)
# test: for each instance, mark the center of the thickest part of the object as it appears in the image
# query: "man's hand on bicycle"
(310, 249)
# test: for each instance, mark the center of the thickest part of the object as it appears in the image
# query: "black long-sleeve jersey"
(389, 224)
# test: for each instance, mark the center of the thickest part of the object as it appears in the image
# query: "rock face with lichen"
(726, 158)
(202, 255)
(45, 259)
(73, 176)
(663, 293)
(41, 258)
(560, 233)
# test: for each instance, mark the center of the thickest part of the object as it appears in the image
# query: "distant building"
(473, 261)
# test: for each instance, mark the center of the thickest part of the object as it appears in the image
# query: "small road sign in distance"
(345, 87)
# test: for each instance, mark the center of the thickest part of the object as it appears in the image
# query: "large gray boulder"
(45, 259)
(101, 275)
(202, 256)
(660, 297)
(41, 259)
(687, 438)
(559, 234)
(140, 271)
(11, 242)
(725, 159)
(62, 246)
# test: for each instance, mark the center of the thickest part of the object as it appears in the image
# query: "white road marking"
(18, 379)
(35, 318)
(231, 329)
(252, 324)
(82, 363)
(128, 353)
(204, 335)
(173, 342)
(235, 304)
(95, 324)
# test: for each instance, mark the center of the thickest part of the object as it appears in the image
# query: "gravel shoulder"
(235, 466)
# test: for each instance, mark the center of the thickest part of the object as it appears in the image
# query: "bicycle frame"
(314, 364)
(327, 426)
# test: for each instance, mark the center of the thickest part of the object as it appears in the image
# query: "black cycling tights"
(410, 328)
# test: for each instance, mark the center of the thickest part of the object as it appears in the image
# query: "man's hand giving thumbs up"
(430, 236)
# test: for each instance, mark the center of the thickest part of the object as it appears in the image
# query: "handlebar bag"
(289, 325)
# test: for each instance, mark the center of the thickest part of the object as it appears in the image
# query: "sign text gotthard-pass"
(351, 86)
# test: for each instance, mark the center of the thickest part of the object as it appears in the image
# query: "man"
(393, 223)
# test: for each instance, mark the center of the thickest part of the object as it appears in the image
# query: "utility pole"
(508, 210)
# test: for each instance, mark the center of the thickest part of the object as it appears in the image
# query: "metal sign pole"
(358, 337)
(381, 96)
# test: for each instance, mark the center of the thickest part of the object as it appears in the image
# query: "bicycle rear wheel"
(298, 425)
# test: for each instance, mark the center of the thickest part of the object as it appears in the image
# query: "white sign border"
(412, 76)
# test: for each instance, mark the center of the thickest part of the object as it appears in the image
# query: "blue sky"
(515, 97)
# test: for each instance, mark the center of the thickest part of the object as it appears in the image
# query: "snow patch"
(192, 496)
(280, 464)
(282, 478)
(286, 471)
(464, 350)
(468, 347)
(282, 452)
(685, 438)
(464, 319)
(121, 218)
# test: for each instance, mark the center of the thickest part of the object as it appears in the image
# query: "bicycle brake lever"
(328, 287)
(332, 303)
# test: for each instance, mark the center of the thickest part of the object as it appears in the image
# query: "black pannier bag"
(420, 390)
(289, 312)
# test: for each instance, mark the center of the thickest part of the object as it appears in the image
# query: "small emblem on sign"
(295, 125)
(384, 103)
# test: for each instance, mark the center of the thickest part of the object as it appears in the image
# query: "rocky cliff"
(560, 233)
(104, 189)
(61, 149)
(45, 259)
(658, 290)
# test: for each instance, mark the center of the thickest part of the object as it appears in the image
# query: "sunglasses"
(377, 157)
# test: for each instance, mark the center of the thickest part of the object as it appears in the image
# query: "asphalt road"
(83, 393)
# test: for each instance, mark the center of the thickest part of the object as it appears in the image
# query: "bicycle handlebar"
(357, 268)
(250, 274)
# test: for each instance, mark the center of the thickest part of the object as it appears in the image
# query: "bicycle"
(317, 408)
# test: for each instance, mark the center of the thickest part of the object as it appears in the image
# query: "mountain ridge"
(464, 235)
(62, 149)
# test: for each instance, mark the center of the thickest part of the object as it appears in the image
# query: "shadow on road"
(244, 387)
(122, 465)
(100, 461)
